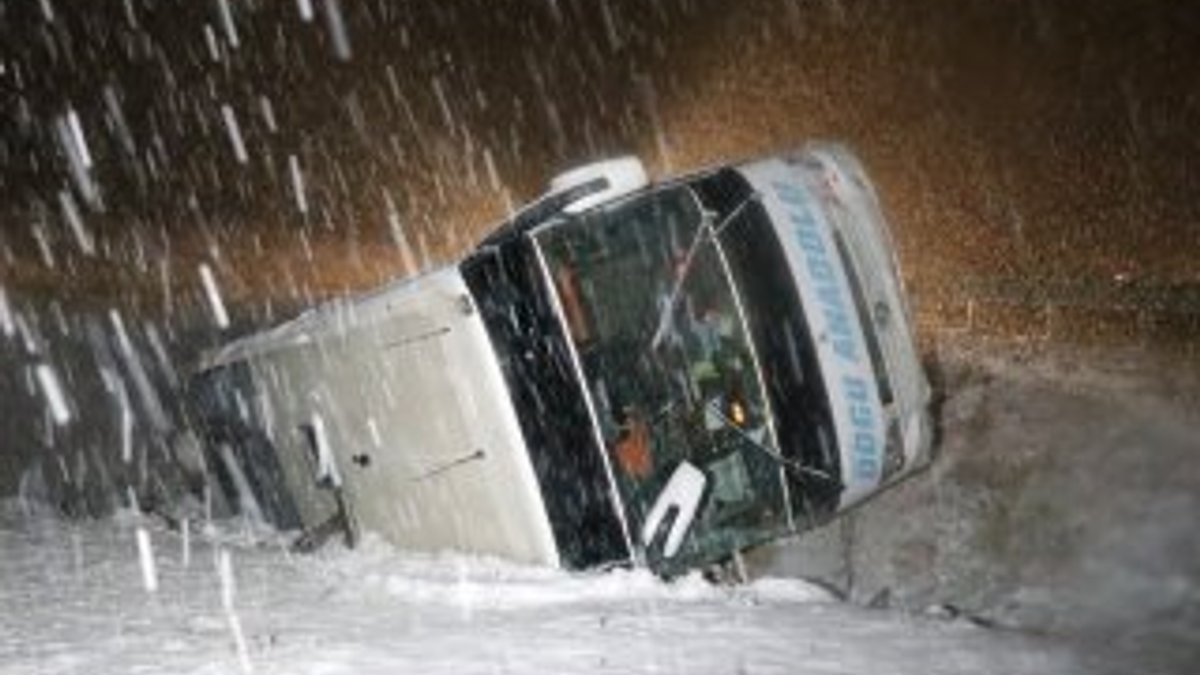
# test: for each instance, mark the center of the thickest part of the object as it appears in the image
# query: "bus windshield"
(648, 301)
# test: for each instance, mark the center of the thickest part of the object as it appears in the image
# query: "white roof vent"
(599, 182)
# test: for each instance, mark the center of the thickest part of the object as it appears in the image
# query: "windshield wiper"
(664, 316)
(715, 408)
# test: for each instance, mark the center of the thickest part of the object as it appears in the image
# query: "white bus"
(626, 372)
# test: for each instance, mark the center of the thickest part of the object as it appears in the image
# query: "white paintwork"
(840, 197)
(623, 176)
(409, 408)
(406, 378)
(682, 493)
(833, 320)
(854, 210)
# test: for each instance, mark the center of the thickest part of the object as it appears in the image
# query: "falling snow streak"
(70, 211)
(147, 394)
(235, 134)
(306, 10)
(116, 388)
(73, 145)
(47, 10)
(336, 24)
(147, 108)
(399, 238)
(7, 324)
(185, 542)
(297, 184)
(117, 113)
(146, 561)
(56, 399)
(42, 239)
(77, 135)
(268, 114)
(225, 571)
(227, 23)
(160, 354)
(215, 302)
(210, 41)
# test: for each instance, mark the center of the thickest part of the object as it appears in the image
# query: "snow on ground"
(75, 601)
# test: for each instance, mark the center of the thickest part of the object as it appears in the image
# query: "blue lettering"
(789, 193)
(821, 270)
(831, 298)
(855, 388)
(839, 325)
(844, 348)
(864, 469)
(864, 448)
(808, 238)
(860, 415)
(828, 296)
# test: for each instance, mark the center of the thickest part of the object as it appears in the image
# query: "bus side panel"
(422, 431)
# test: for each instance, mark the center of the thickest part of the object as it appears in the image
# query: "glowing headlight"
(737, 413)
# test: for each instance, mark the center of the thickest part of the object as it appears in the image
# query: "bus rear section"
(390, 406)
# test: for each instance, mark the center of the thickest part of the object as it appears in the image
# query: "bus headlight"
(737, 413)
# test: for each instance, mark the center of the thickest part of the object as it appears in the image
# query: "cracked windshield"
(652, 313)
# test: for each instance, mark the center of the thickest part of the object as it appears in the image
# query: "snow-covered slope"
(75, 600)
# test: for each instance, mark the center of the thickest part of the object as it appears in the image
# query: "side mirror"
(682, 494)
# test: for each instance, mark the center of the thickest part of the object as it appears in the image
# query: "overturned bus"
(625, 372)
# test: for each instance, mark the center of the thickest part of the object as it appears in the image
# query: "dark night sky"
(1052, 140)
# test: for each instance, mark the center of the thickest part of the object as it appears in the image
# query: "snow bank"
(76, 602)
(493, 584)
